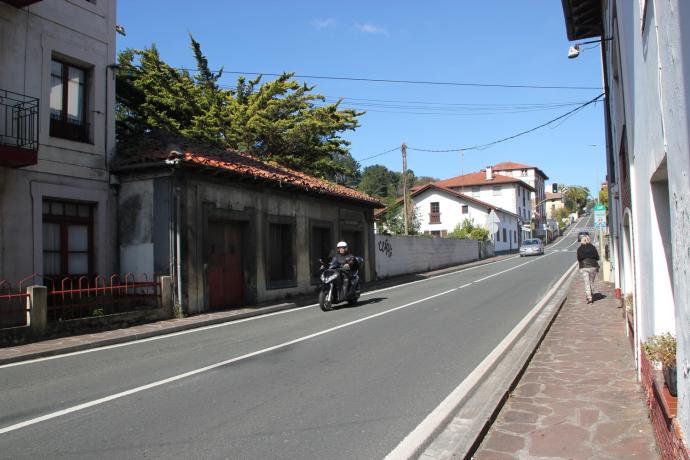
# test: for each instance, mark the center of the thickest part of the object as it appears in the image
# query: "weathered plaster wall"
(675, 82)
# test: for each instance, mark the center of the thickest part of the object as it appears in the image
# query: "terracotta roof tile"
(479, 178)
(510, 166)
(241, 164)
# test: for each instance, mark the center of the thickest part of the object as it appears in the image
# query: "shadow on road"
(362, 303)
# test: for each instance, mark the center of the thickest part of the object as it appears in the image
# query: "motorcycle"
(332, 290)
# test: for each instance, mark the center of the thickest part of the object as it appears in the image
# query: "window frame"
(435, 216)
(313, 258)
(465, 209)
(65, 221)
(269, 257)
(61, 127)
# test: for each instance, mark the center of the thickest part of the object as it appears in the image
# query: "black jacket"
(587, 256)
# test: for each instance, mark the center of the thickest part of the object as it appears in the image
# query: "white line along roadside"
(234, 322)
(411, 445)
(158, 383)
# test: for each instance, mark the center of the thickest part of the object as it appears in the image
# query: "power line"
(485, 146)
(407, 82)
(379, 154)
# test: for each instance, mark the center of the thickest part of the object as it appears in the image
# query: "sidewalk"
(71, 344)
(578, 398)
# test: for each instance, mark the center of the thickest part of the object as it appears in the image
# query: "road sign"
(599, 216)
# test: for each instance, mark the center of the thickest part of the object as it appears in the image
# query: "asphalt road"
(350, 383)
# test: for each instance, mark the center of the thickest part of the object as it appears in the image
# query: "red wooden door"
(225, 274)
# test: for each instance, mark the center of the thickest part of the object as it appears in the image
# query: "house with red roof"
(536, 178)
(440, 210)
(230, 228)
(505, 192)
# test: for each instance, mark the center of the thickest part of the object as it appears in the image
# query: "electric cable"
(522, 133)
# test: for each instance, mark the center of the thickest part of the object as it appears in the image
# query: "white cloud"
(371, 29)
(327, 23)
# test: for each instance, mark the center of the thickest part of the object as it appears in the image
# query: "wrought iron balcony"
(68, 129)
(18, 129)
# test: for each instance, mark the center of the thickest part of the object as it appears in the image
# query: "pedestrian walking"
(588, 260)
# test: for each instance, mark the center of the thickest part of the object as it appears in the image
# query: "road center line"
(512, 268)
(229, 323)
(175, 378)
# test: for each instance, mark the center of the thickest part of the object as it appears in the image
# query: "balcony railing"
(18, 129)
(68, 129)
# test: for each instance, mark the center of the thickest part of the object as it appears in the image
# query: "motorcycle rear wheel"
(324, 303)
(352, 301)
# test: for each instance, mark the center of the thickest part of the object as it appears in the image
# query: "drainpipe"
(176, 189)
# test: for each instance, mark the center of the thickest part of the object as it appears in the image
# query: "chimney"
(489, 173)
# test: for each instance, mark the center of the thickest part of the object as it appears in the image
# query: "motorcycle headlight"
(331, 278)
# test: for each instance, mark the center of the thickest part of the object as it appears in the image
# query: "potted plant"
(662, 349)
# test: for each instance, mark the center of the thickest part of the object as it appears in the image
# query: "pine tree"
(279, 120)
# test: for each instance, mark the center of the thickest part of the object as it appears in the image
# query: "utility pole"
(406, 211)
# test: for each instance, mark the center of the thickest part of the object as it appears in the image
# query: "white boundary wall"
(401, 255)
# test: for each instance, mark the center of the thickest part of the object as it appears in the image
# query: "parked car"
(581, 234)
(531, 247)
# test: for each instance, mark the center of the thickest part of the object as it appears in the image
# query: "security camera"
(573, 52)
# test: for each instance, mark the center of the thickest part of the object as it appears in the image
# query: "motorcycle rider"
(347, 263)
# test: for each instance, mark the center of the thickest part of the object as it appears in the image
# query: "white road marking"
(229, 323)
(439, 276)
(512, 268)
(409, 447)
(175, 378)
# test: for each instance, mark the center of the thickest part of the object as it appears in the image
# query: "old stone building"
(231, 229)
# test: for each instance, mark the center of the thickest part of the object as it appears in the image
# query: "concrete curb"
(457, 426)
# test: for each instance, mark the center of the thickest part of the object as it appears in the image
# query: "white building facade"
(441, 210)
(646, 55)
(507, 193)
(536, 178)
(57, 135)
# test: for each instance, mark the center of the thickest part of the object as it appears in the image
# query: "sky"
(494, 42)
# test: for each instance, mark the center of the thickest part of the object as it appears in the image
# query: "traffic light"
(554, 188)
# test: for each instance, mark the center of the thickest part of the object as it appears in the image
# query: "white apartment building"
(57, 136)
(536, 178)
(441, 210)
(504, 192)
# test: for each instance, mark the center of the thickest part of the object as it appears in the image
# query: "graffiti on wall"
(385, 247)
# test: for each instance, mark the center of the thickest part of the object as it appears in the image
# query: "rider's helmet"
(341, 244)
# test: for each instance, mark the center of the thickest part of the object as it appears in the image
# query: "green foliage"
(574, 197)
(467, 230)
(424, 180)
(560, 215)
(661, 349)
(604, 196)
(279, 120)
(381, 182)
(393, 223)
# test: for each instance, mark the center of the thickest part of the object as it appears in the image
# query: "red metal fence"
(82, 297)
(12, 305)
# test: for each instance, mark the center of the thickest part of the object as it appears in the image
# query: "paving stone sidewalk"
(578, 397)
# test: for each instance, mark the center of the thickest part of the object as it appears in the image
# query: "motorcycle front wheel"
(325, 303)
